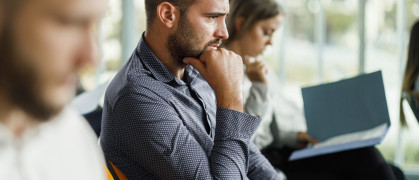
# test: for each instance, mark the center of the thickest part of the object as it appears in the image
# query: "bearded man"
(175, 110)
(43, 45)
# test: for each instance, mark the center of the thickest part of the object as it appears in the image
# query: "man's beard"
(185, 42)
(21, 82)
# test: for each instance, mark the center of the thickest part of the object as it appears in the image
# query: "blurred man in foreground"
(43, 44)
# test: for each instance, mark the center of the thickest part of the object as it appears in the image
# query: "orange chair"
(114, 172)
(108, 174)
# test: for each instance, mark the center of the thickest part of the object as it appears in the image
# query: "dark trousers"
(358, 164)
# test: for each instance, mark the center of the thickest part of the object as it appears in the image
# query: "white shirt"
(265, 101)
(63, 148)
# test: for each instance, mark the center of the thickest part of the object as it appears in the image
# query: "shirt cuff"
(234, 125)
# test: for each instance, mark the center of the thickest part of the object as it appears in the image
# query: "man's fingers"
(196, 63)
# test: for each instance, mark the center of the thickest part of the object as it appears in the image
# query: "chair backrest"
(115, 172)
(108, 174)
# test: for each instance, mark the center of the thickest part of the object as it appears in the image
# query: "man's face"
(201, 29)
(48, 42)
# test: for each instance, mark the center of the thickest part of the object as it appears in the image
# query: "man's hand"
(256, 70)
(303, 139)
(223, 71)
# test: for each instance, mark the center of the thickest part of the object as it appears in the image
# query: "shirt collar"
(152, 63)
(157, 69)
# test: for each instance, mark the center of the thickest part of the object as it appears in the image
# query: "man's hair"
(151, 8)
(18, 82)
(252, 11)
(9, 9)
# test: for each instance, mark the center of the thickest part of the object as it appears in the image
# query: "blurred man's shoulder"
(72, 142)
(64, 147)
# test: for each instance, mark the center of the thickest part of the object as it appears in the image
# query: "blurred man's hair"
(13, 81)
(151, 8)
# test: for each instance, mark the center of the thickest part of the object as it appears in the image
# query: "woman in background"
(251, 24)
(410, 86)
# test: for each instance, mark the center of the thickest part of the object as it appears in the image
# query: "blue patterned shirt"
(156, 126)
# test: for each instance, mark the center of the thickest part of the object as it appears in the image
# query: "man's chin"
(62, 98)
(42, 112)
(50, 105)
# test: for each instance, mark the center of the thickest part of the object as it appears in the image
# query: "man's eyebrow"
(216, 14)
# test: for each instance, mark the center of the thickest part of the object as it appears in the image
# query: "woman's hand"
(256, 70)
(303, 139)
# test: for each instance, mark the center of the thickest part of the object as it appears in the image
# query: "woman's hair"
(412, 68)
(252, 11)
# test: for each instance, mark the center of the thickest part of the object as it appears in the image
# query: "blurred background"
(319, 41)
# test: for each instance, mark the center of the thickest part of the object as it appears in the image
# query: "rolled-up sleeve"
(257, 102)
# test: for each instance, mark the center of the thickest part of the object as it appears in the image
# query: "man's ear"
(238, 24)
(167, 14)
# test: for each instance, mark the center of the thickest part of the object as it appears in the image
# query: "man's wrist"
(233, 104)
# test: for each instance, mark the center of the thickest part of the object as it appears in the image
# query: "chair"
(94, 118)
(115, 172)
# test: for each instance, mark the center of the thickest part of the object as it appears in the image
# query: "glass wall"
(382, 54)
(341, 40)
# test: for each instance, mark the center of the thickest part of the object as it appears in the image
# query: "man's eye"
(213, 17)
(71, 21)
(65, 21)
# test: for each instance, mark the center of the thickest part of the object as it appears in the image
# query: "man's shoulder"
(134, 81)
(68, 121)
(69, 138)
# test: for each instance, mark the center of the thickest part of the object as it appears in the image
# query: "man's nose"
(88, 50)
(221, 31)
